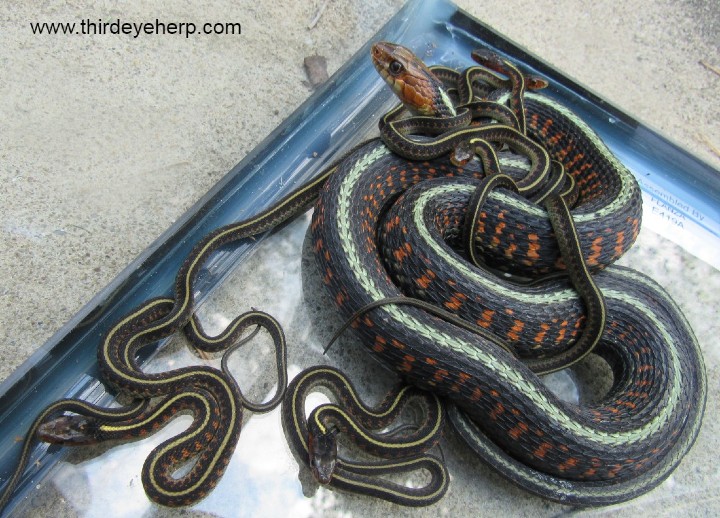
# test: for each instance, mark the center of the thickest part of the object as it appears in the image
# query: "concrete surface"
(105, 140)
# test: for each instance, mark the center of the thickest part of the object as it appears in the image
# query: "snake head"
(496, 63)
(75, 430)
(411, 80)
(322, 450)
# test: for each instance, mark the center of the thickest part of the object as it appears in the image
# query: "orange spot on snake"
(426, 279)
(546, 127)
(595, 251)
(540, 336)
(578, 156)
(476, 395)
(516, 329)
(379, 344)
(328, 275)
(340, 299)
(518, 430)
(497, 411)
(570, 463)
(628, 404)
(510, 250)
(486, 318)
(619, 241)
(407, 363)
(533, 247)
(440, 375)
(456, 301)
(542, 450)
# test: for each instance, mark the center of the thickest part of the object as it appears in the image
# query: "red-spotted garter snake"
(609, 451)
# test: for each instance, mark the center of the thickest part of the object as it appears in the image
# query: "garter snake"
(609, 451)
(159, 318)
(211, 395)
(400, 453)
(392, 62)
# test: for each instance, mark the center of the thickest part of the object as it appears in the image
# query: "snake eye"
(395, 67)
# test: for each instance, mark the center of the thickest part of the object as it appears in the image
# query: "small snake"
(314, 438)
(211, 395)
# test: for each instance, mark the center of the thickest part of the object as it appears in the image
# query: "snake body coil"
(313, 439)
(608, 451)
